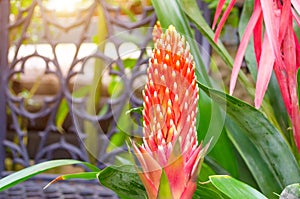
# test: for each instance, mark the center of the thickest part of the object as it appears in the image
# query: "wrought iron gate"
(56, 66)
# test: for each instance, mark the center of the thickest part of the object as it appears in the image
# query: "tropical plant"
(252, 152)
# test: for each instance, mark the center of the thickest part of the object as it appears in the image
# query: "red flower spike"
(170, 109)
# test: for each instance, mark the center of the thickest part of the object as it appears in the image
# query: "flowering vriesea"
(170, 156)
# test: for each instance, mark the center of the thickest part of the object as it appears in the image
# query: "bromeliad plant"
(170, 157)
(248, 144)
(170, 153)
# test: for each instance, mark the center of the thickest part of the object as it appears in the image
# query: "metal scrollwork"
(61, 87)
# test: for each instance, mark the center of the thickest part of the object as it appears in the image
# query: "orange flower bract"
(170, 109)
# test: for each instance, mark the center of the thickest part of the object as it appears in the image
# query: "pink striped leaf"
(269, 18)
(218, 12)
(257, 34)
(284, 19)
(223, 19)
(296, 17)
(296, 4)
(264, 71)
(243, 46)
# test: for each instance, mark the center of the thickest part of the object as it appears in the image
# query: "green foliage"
(235, 189)
(255, 137)
(204, 188)
(123, 180)
(29, 172)
(224, 145)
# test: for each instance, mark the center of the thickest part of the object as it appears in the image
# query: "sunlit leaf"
(29, 172)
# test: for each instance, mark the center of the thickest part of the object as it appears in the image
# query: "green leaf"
(207, 193)
(235, 189)
(138, 110)
(256, 162)
(24, 174)
(204, 189)
(83, 175)
(260, 144)
(61, 115)
(123, 180)
(164, 190)
(291, 192)
(224, 151)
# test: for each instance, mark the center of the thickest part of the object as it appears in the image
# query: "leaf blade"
(24, 174)
(123, 180)
(235, 189)
(279, 160)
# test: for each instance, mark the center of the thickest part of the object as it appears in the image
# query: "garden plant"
(198, 141)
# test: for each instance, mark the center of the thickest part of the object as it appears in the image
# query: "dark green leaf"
(291, 192)
(234, 188)
(204, 188)
(208, 193)
(123, 180)
(256, 163)
(260, 144)
(24, 174)
(222, 152)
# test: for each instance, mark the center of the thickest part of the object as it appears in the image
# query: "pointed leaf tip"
(164, 190)
(223, 19)
(59, 178)
(218, 12)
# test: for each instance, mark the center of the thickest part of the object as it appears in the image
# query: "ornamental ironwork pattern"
(69, 76)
